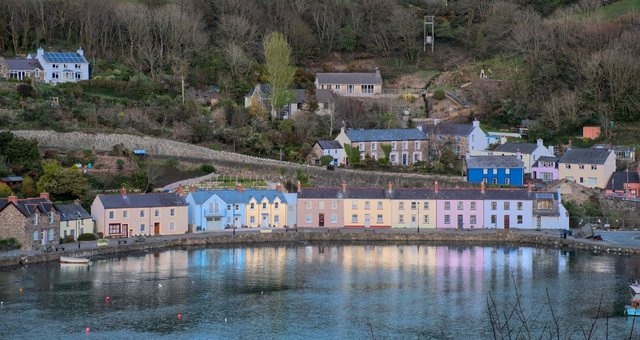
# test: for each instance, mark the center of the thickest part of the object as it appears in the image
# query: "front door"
(367, 221)
(460, 223)
(321, 220)
(265, 221)
(156, 228)
(506, 221)
(125, 229)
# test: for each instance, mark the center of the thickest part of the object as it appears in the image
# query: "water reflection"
(317, 291)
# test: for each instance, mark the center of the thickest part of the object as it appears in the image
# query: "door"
(506, 221)
(460, 223)
(404, 159)
(156, 228)
(125, 230)
(265, 221)
(321, 220)
(367, 221)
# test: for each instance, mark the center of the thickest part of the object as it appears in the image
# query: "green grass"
(613, 11)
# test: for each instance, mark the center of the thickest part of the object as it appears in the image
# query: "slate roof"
(319, 193)
(329, 144)
(413, 193)
(446, 129)
(354, 78)
(72, 212)
(619, 178)
(234, 196)
(545, 159)
(508, 194)
(585, 156)
(493, 162)
(362, 192)
(23, 64)
(321, 95)
(525, 148)
(29, 206)
(459, 194)
(385, 135)
(162, 199)
(264, 90)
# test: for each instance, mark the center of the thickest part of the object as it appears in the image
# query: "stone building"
(34, 222)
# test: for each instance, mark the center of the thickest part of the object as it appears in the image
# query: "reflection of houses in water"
(462, 266)
(264, 262)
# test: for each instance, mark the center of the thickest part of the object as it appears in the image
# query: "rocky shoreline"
(544, 239)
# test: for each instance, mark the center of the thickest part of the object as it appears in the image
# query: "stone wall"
(228, 162)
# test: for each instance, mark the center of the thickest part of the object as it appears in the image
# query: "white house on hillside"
(62, 67)
(527, 152)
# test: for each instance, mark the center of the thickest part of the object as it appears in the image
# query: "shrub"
(9, 244)
(438, 94)
(325, 160)
(67, 239)
(207, 168)
(87, 237)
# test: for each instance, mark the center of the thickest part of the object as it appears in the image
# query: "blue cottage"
(501, 170)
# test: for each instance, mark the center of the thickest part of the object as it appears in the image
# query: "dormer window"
(51, 217)
(35, 219)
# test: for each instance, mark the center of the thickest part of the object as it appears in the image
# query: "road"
(629, 239)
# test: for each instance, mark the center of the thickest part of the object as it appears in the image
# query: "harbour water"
(322, 292)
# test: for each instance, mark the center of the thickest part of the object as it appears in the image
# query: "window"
(141, 213)
(484, 180)
(264, 205)
(494, 205)
(544, 204)
(400, 218)
(473, 206)
(519, 219)
(592, 181)
(172, 212)
(349, 88)
(506, 205)
(413, 219)
(416, 145)
(400, 205)
(494, 219)
(447, 219)
(321, 205)
(334, 204)
(354, 205)
(507, 171)
(374, 146)
(114, 229)
(142, 228)
(55, 75)
(276, 218)
(307, 204)
(229, 207)
(417, 157)
(366, 88)
(581, 180)
(594, 167)
(581, 166)
(55, 66)
(253, 205)
(519, 205)
(276, 205)
(506, 180)
(472, 219)
(37, 73)
(425, 219)
(361, 147)
(568, 166)
(379, 205)
(51, 233)
(447, 205)
(393, 146)
(494, 181)
(308, 219)
(252, 219)
(35, 235)
(110, 216)
(379, 218)
(495, 171)
(172, 226)
(425, 205)
(414, 205)
(485, 171)
(156, 213)
(77, 66)
(78, 75)
(51, 217)
(367, 205)
(124, 214)
(460, 205)
(337, 87)
(354, 218)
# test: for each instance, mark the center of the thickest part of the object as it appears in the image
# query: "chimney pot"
(180, 190)
(344, 186)
(13, 199)
(299, 186)
(482, 187)
(435, 187)
(44, 195)
(529, 187)
(192, 188)
(239, 187)
(123, 191)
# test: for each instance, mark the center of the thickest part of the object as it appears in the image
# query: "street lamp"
(418, 204)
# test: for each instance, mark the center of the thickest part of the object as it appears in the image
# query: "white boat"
(635, 288)
(74, 260)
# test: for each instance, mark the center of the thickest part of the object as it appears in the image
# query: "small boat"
(74, 260)
(634, 308)
(635, 287)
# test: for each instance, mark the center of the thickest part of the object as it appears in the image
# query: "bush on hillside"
(438, 94)
(87, 237)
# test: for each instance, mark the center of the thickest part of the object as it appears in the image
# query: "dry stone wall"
(228, 162)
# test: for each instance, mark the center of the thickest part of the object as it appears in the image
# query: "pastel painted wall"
(321, 212)
(413, 213)
(453, 213)
(504, 214)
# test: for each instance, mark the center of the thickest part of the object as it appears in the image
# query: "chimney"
(77, 201)
(80, 51)
(435, 187)
(419, 127)
(389, 187)
(278, 186)
(180, 190)
(476, 123)
(299, 186)
(436, 121)
(192, 188)
(539, 142)
(529, 187)
(482, 187)
(344, 186)
(44, 195)
(13, 199)
(239, 187)
(378, 75)
(40, 52)
(550, 147)
(123, 191)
